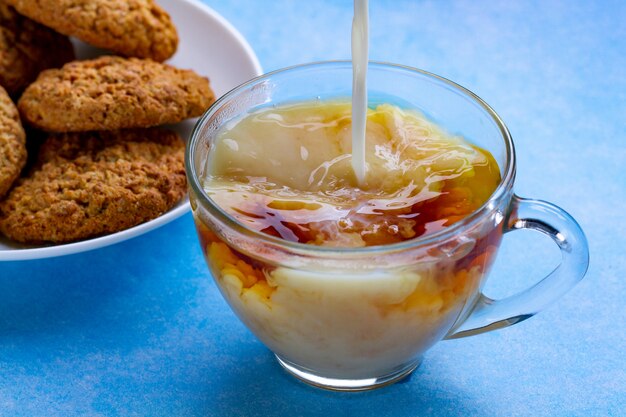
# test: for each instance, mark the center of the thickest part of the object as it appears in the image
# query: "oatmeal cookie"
(93, 183)
(26, 49)
(110, 93)
(129, 27)
(12, 143)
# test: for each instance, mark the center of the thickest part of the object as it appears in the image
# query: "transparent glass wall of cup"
(359, 318)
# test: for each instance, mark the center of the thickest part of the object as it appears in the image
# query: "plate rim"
(54, 251)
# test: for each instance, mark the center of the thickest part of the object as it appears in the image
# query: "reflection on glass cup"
(360, 318)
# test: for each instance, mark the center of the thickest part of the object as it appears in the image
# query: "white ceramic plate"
(212, 47)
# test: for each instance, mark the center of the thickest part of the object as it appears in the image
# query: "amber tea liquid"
(286, 171)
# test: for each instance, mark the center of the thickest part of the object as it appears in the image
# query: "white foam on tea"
(360, 46)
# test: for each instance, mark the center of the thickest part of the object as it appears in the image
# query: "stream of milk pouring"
(360, 47)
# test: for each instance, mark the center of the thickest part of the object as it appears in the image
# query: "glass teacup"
(360, 318)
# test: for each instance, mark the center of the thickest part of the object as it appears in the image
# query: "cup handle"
(489, 314)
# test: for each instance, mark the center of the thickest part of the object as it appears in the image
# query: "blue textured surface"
(140, 329)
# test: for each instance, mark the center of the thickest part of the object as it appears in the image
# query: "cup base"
(340, 384)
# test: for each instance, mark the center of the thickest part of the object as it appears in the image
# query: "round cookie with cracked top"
(137, 28)
(94, 183)
(12, 143)
(27, 48)
(109, 93)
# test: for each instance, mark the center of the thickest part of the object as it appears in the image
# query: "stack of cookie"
(101, 164)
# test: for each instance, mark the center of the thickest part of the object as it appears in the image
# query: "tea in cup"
(349, 282)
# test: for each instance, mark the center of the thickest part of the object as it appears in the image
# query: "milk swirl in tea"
(287, 172)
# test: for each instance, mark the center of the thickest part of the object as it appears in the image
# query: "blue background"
(139, 328)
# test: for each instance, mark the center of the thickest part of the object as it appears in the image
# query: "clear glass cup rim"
(501, 191)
